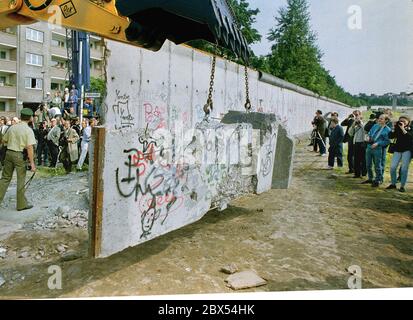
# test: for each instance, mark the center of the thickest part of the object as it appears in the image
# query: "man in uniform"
(17, 138)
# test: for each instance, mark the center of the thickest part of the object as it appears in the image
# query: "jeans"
(375, 156)
(384, 159)
(350, 155)
(404, 158)
(85, 149)
(321, 144)
(333, 153)
(42, 150)
(360, 168)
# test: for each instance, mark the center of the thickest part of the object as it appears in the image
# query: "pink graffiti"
(162, 201)
(155, 115)
(142, 160)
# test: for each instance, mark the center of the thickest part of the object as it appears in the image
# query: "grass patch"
(46, 172)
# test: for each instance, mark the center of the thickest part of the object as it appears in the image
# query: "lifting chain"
(209, 106)
(248, 105)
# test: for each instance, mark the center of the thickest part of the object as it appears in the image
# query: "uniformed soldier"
(19, 137)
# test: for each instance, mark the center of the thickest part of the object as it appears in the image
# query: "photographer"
(403, 146)
(320, 126)
(42, 149)
(41, 115)
(377, 140)
(348, 122)
(357, 133)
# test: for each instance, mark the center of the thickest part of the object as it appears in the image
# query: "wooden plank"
(98, 135)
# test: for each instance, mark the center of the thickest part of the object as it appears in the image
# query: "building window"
(2, 106)
(3, 55)
(58, 43)
(34, 83)
(34, 59)
(3, 81)
(34, 35)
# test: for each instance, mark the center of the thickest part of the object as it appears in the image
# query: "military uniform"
(17, 138)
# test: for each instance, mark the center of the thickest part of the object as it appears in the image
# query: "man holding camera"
(357, 134)
(18, 138)
(348, 122)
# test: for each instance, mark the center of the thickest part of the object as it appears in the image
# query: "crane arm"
(144, 23)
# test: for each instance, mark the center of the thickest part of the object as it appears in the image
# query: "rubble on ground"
(245, 280)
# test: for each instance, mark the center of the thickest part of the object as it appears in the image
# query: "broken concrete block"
(230, 269)
(284, 160)
(3, 252)
(24, 254)
(245, 280)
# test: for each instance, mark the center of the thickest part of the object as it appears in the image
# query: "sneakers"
(391, 187)
(330, 168)
(402, 189)
(323, 155)
(375, 184)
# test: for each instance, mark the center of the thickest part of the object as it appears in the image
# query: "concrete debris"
(61, 248)
(3, 252)
(64, 217)
(230, 269)
(245, 280)
(71, 255)
(24, 254)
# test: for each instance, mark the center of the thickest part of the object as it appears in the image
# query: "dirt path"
(298, 239)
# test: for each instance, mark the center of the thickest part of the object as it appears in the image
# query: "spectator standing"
(42, 149)
(335, 150)
(73, 101)
(378, 139)
(53, 142)
(320, 127)
(86, 136)
(358, 135)
(3, 129)
(372, 121)
(42, 114)
(66, 98)
(348, 122)
(68, 142)
(403, 148)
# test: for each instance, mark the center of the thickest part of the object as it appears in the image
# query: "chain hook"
(209, 106)
(248, 105)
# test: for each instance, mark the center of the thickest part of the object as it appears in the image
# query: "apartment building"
(33, 61)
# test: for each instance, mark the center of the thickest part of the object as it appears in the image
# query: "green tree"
(295, 56)
(98, 85)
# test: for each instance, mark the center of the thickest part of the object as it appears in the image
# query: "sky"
(366, 43)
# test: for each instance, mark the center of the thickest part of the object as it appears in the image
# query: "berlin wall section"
(162, 166)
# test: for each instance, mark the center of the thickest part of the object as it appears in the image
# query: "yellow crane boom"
(144, 23)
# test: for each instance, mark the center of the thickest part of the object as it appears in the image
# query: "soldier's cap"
(26, 112)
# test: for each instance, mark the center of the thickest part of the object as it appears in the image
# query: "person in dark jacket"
(336, 144)
(41, 137)
(403, 135)
(348, 122)
(320, 126)
(372, 121)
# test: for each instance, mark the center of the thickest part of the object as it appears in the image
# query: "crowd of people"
(60, 137)
(369, 144)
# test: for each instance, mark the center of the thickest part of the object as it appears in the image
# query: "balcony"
(8, 92)
(8, 40)
(8, 66)
(58, 73)
(59, 52)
